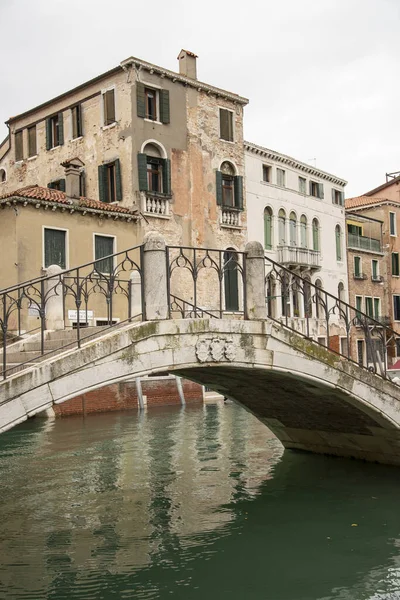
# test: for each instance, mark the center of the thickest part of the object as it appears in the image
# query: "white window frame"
(394, 223)
(157, 89)
(110, 235)
(44, 227)
(103, 91)
(284, 177)
(372, 306)
(379, 307)
(233, 125)
(377, 270)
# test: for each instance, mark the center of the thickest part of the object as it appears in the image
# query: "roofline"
(145, 65)
(373, 204)
(350, 214)
(382, 187)
(293, 162)
(8, 201)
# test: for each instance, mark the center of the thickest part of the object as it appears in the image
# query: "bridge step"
(70, 334)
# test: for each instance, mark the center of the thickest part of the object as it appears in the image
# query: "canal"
(199, 503)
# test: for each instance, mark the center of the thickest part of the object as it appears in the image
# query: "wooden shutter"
(223, 124)
(166, 172)
(164, 107)
(320, 190)
(239, 192)
(103, 246)
(60, 129)
(49, 141)
(103, 187)
(32, 146)
(109, 107)
(118, 182)
(140, 100)
(142, 172)
(19, 145)
(218, 185)
(54, 248)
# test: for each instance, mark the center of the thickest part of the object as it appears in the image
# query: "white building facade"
(297, 212)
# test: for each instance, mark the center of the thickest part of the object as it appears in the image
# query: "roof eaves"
(382, 187)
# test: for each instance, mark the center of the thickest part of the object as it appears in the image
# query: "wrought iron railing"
(212, 281)
(110, 287)
(316, 314)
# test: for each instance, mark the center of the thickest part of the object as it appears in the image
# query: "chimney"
(187, 64)
(72, 177)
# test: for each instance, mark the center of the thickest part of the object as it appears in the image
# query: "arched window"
(268, 228)
(293, 229)
(338, 238)
(282, 227)
(3, 176)
(307, 298)
(231, 280)
(303, 231)
(229, 187)
(315, 235)
(154, 169)
(318, 299)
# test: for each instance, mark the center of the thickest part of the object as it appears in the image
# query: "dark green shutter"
(142, 172)
(267, 230)
(61, 185)
(218, 184)
(321, 191)
(50, 185)
(103, 190)
(118, 182)
(60, 129)
(48, 134)
(103, 246)
(166, 176)
(164, 106)
(239, 192)
(54, 248)
(140, 100)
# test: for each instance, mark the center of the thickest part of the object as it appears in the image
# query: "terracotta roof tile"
(366, 201)
(55, 196)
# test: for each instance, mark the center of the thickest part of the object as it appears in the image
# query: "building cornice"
(386, 202)
(292, 162)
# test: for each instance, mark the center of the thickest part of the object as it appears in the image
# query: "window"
(293, 229)
(267, 228)
(3, 176)
(354, 229)
(319, 302)
(338, 239)
(315, 234)
(337, 197)
(55, 248)
(231, 280)
(109, 107)
(358, 305)
(282, 227)
(226, 124)
(392, 223)
(110, 188)
(360, 352)
(369, 309)
(154, 171)
(104, 246)
(229, 187)
(303, 231)
(375, 269)
(321, 341)
(19, 145)
(344, 346)
(377, 308)
(280, 177)
(32, 146)
(357, 266)
(266, 170)
(76, 115)
(316, 189)
(395, 264)
(302, 185)
(54, 131)
(152, 103)
(396, 307)
(58, 184)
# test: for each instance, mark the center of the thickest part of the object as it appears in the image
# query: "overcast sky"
(322, 76)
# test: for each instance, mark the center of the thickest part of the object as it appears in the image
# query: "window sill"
(227, 141)
(156, 215)
(54, 148)
(78, 138)
(32, 157)
(226, 226)
(104, 127)
(153, 121)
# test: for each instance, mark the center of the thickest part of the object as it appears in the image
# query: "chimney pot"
(187, 64)
(72, 177)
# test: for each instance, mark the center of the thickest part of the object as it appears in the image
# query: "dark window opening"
(109, 107)
(266, 173)
(228, 193)
(154, 174)
(76, 113)
(231, 280)
(54, 248)
(54, 131)
(151, 104)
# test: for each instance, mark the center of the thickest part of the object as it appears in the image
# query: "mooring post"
(155, 277)
(255, 281)
(53, 291)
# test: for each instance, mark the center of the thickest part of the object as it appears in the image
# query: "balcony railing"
(155, 205)
(362, 242)
(302, 257)
(230, 216)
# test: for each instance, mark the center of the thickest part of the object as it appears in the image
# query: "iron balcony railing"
(361, 242)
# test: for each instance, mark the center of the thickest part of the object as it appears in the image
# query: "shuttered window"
(19, 145)
(103, 246)
(280, 177)
(395, 264)
(226, 124)
(338, 240)
(369, 307)
(55, 248)
(32, 145)
(315, 234)
(268, 228)
(110, 184)
(337, 197)
(154, 174)
(54, 131)
(152, 104)
(229, 190)
(357, 266)
(109, 107)
(76, 114)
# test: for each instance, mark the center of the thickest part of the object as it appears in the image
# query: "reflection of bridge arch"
(308, 398)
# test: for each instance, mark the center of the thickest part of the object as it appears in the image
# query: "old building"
(297, 212)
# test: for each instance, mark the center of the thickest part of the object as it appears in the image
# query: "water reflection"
(192, 503)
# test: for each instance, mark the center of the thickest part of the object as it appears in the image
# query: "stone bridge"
(312, 399)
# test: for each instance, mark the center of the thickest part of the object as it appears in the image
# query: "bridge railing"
(314, 313)
(105, 292)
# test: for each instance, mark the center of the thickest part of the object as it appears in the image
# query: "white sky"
(322, 75)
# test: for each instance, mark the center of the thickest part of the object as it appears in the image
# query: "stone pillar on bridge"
(255, 281)
(53, 290)
(136, 295)
(155, 277)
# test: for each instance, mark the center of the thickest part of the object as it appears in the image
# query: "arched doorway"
(231, 280)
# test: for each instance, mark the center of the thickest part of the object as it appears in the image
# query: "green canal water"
(198, 503)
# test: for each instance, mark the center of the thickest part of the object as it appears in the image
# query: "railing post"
(255, 281)
(135, 295)
(155, 277)
(53, 299)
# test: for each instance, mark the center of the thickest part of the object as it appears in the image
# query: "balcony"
(361, 242)
(293, 256)
(230, 217)
(155, 205)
